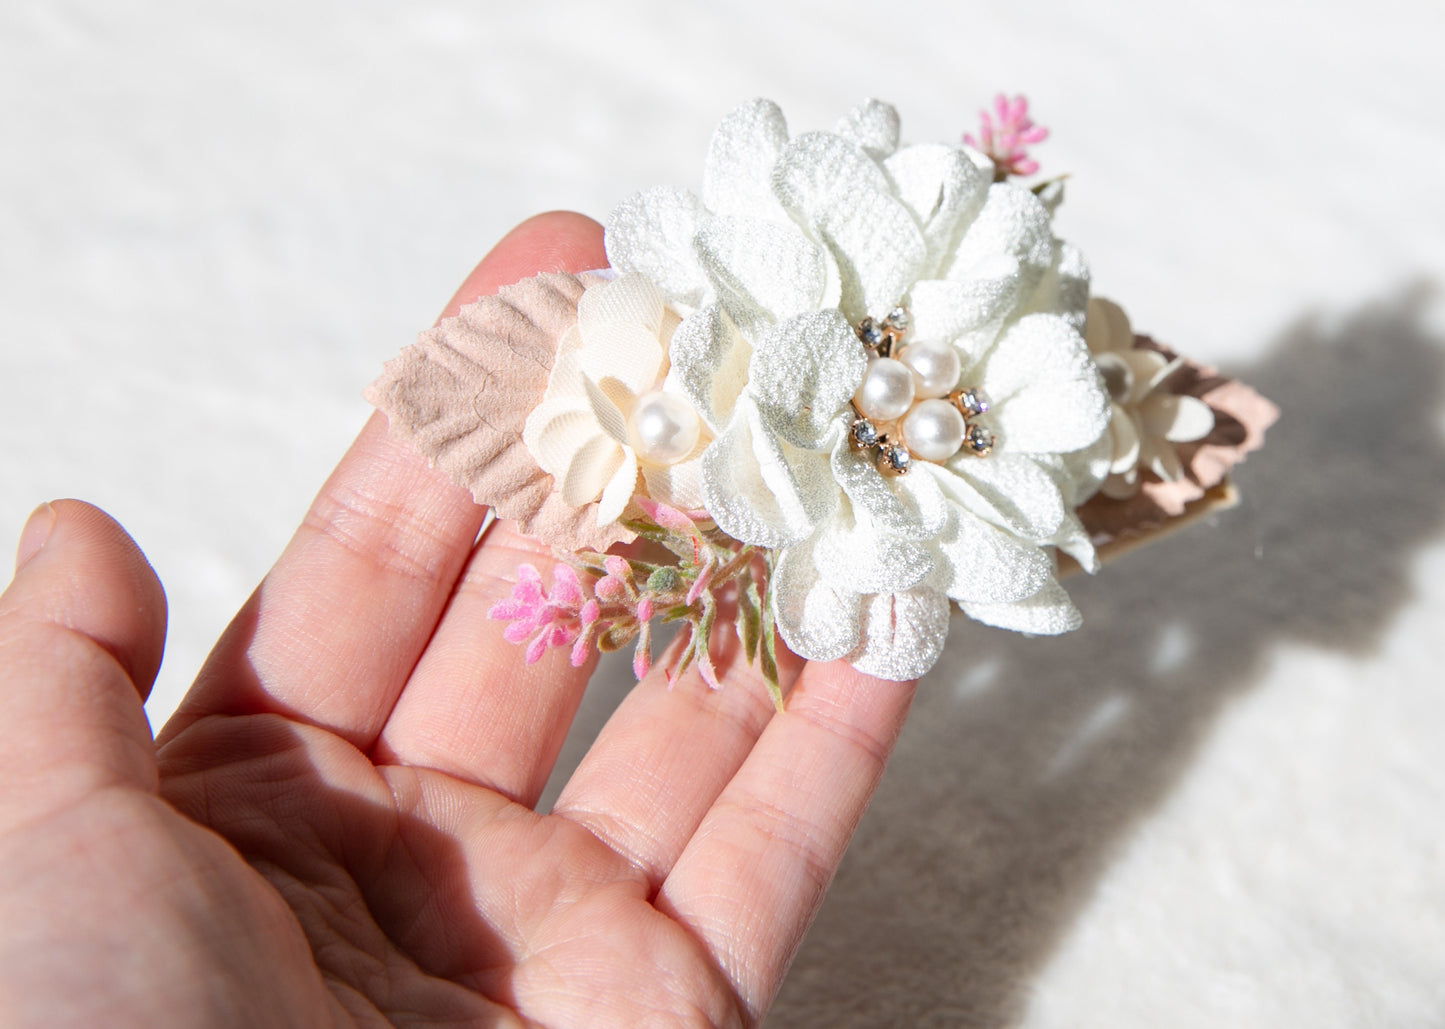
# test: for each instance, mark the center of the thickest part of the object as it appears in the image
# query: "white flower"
(793, 243)
(610, 410)
(1145, 420)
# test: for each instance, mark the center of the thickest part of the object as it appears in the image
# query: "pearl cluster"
(918, 393)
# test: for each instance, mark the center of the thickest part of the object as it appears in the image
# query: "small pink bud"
(644, 609)
(610, 588)
(591, 611)
(617, 566)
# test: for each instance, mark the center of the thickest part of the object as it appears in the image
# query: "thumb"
(82, 627)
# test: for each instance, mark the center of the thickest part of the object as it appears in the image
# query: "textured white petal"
(651, 232)
(803, 374)
(1046, 392)
(1073, 539)
(760, 490)
(872, 125)
(944, 310)
(710, 363)
(737, 175)
(762, 272)
(853, 554)
(911, 506)
(944, 189)
(836, 189)
(1179, 419)
(817, 620)
(1010, 490)
(629, 299)
(619, 489)
(627, 353)
(1064, 289)
(1013, 222)
(983, 563)
(903, 634)
(1048, 612)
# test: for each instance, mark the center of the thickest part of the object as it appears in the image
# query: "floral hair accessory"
(848, 388)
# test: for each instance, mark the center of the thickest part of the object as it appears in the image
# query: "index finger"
(333, 631)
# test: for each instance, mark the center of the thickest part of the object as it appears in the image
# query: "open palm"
(339, 825)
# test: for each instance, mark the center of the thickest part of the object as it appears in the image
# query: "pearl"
(886, 391)
(935, 368)
(662, 428)
(934, 430)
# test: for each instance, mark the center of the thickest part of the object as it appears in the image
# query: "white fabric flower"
(1145, 420)
(792, 243)
(610, 410)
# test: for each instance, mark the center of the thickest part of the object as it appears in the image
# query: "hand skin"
(338, 825)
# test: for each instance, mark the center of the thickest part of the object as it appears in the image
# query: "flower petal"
(944, 310)
(1049, 612)
(710, 363)
(1047, 394)
(737, 175)
(803, 374)
(1064, 289)
(588, 472)
(1179, 419)
(1107, 327)
(619, 489)
(872, 125)
(628, 353)
(762, 272)
(651, 232)
(556, 429)
(760, 490)
(1012, 221)
(1010, 490)
(817, 620)
(1123, 440)
(984, 564)
(835, 188)
(911, 506)
(852, 554)
(629, 299)
(902, 634)
(943, 188)
(679, 485)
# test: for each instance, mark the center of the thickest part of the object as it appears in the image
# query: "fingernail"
(33, 536)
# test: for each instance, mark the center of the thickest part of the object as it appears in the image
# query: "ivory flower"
(610, 411)
(794, 243)
(1145, 419)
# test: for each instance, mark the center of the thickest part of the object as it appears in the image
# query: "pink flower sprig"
(615, 599)
(1005, 142)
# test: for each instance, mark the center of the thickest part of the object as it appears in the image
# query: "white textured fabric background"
(1222, 802)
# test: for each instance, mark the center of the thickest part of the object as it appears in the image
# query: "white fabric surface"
(1219, 803)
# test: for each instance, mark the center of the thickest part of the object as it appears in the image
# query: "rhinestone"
(979, 440)
(865, 433)
(972, 402)
(870, 333)
(898, 318)
(894, 459)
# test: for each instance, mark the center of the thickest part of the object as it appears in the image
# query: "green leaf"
(749, 621)
(768, 665)
(616, 638)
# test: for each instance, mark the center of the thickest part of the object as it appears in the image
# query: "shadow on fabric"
(1027, 762)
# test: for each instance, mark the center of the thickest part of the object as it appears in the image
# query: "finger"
(666, 754)
(82, 627)
(472, 708)
(336, 627)
(752, 877)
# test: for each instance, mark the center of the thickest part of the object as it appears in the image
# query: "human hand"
(338, 825)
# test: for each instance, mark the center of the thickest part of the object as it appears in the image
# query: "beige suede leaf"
(461, 394)
(1241, 417)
